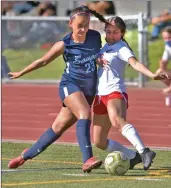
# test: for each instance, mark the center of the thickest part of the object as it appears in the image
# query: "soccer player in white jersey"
(111, 101)
(166, 35)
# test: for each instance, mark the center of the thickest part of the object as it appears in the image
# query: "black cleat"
(147, 158)
(136, 160)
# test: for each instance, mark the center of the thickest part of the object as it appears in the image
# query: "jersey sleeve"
(166, 55)
(125, 53)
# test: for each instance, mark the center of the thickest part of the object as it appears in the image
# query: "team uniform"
(111, 81)
(80, 73)
(167, 52)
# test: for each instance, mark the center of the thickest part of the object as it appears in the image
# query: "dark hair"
(120, 24)
(167, 29)
(111, 10)
(86, 10)
(49, 7)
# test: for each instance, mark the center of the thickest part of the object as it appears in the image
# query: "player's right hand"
(14, 75)
(161, 76)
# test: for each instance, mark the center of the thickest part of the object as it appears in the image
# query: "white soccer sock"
(129, 132)
(115, 146)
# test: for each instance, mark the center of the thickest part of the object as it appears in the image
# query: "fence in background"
(20, 34)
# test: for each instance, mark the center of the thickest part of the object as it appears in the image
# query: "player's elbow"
(43, 62)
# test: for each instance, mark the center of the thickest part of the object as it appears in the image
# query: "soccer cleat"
(136, 160)
(18, 161)
(91, 163)
(147, 158)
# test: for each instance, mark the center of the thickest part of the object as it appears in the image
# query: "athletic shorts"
(100, 101)
(69, 88)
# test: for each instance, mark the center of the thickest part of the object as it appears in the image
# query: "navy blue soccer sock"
(44, 141)
(83, 137)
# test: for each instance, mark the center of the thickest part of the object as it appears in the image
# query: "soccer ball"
(117, 163)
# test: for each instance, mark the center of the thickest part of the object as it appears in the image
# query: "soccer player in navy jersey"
(77, 87)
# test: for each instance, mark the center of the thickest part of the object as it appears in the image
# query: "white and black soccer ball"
(117, 163)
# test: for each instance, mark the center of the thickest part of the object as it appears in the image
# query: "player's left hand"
(103, 62)
(160, 76)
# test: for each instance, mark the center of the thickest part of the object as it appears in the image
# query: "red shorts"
(100, 101)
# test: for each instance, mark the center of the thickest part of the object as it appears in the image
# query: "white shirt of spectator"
(113, 79)
(167, 53)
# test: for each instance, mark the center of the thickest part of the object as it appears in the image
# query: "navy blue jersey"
(80, 61)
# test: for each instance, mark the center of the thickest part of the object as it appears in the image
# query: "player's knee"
(118, 122)
(84, 113)
(100, 144)
(115, 124)
(59, 128)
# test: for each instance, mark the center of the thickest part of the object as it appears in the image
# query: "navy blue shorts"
(69, 88)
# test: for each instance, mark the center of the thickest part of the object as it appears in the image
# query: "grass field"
(60, 166)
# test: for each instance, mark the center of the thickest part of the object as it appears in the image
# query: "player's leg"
(167, 90)
(63, 121)
(117, 114)
(101, 128)
(80, 107)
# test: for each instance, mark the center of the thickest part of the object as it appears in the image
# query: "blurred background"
(30, 28)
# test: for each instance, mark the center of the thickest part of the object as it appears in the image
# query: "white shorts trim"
(65, 91)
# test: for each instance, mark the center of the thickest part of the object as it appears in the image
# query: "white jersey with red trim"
(167, 53)
(112, 79)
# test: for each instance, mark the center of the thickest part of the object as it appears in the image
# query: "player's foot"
(18, 161)
(136, 160)
(147, 158)
(90, 164)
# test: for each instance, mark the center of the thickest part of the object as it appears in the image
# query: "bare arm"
(140, 67)
(144, 70)
(163, 18)
(54, 52)
(163, 64)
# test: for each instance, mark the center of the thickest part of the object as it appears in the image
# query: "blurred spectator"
(8, 8)
(102, 7)
(11, 29)
(17, 7)
(40, 32)
(39, 10)
(159, 23)
(22, 7)
(163, 64)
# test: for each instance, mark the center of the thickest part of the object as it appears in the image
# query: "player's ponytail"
(127, 44)
(96, 14)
